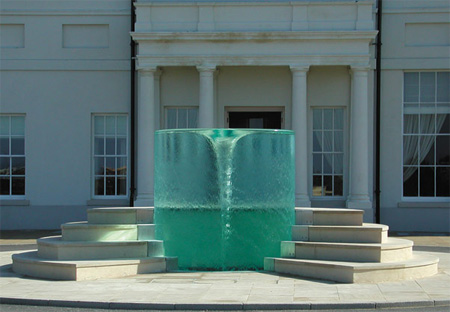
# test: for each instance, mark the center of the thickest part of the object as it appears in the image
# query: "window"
(177, 118)
(426, 134)
(110, 159)
(328, 152)
(12, 155)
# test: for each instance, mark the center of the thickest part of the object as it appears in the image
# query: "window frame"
(166, 115)
(345, 154)
(419, 198)
(93, 156)
(10, 156)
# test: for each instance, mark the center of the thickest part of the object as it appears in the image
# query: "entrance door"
(255, 120)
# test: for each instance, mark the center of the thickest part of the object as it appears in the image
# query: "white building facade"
(73, 130)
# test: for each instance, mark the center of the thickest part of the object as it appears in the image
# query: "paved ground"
(227, 290)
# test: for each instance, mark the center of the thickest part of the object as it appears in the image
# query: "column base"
(302, 201)
(144, 201)
(362, 204)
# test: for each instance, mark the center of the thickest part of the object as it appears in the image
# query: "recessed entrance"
(255, 120)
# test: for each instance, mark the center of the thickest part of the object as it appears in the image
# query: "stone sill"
(108, 202)
(14, 202)
(442, 204)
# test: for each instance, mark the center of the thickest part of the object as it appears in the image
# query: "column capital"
(206, 68)
(148, 70)
(355, 69)
(299, 68)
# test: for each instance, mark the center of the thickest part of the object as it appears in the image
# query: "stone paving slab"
(234, 290)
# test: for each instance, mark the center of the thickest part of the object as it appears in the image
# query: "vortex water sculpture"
(224, 198)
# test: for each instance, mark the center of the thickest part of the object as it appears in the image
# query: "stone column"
(206, 97)
(359, 143)
(299, 126)
(145, 136)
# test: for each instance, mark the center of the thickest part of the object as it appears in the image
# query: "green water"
(224, 198)
(205, 239)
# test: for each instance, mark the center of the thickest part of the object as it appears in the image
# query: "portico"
(211, 37)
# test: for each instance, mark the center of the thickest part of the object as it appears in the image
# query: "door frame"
(255, 109)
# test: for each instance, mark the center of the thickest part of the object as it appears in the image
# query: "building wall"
(59, 66)
(415, 38)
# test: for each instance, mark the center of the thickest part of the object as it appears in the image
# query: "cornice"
(254, 36)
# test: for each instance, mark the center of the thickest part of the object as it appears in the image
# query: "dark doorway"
(255, 120)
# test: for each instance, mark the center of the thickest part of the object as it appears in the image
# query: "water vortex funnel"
(224, 198)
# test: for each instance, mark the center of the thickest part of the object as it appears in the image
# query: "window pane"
(4, 166)
(182, 118)
(328, 185)
(17, 125)
(426, 181)
(122, 125)
(328, 119)
(317, 185)
(4, 146)
(410, 150)
(317, 141)
(99, 186)
(411, 124)
(99, 125)
(110, 165)
(410, 185)
(411, 88)
(427, 150)
(4, 186)
(192, 117)
(317, 119)
(338, 163)
(99, 165)
(317, 163)
(339, 119)
(442, 181)
(327, 163)
(17, 146)
(110, 125)
(110, 146)
(18, 186)
(443, 150)
(338, 141)
(99, 147)
(427, 123)
(443, 87)
(427, 87)
(110, 186)
(121, 146)
(4, 125)
(18, 165)
(338, 186)
(443, 123)
(327, 141)
(121, 165)
(171, 118)
(121, 186)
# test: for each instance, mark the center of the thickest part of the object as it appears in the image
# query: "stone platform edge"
(223, 306)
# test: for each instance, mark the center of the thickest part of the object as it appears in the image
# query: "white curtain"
(413, 151)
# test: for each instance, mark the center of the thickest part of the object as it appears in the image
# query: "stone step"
(83, 231)
(418, 266)
(393, 250)
(121, 215)
(367, 233)
(30, 264)
(57, 249)
(328, 216)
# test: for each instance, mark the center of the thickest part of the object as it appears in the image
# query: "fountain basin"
(224, 198)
